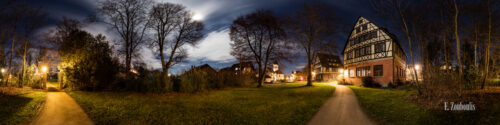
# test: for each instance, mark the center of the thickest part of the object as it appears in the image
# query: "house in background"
(205, 67)
(298, 76)
(274, 74)
(327, 67)
(243, 67)
(372, 51)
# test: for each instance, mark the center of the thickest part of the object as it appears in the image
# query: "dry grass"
(291, 103)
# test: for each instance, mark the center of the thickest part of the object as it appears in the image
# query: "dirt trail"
(341, 109)
(61, 109)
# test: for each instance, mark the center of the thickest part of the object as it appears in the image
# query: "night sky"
(217, 15)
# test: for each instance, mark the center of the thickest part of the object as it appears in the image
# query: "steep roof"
(329, 59)
(392, 36)
(237, 65)
(204, 67)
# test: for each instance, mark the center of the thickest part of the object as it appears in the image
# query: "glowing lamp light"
(134, 71)
(3, 70)
(417, 67)
(44, 69)
(341, 70)
(335, 82)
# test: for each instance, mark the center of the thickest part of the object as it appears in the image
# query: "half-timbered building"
(371, 51)
(327, 67)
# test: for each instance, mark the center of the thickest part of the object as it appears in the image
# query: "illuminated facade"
(372, 51)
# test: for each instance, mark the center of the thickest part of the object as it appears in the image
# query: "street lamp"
(3, 70)
(417, 67)
(44, 69)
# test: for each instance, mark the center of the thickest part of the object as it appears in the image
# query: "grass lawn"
(291, 103)
(20, 109)
(390, 106)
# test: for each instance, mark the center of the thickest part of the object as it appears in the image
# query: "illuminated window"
(351, 72)
(363, 71)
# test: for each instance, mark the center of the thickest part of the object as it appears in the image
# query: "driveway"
(61, 109)
(341, 109)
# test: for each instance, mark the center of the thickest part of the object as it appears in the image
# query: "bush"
(32, 79)
(194, 81)
(369, 82)
(86, 62)
(198, 80)
(156, 83)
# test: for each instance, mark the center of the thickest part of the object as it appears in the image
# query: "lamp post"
(44, 77)
(343, 76)
(3, 71)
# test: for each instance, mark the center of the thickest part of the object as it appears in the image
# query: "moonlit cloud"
(214, 47)
(216, 15)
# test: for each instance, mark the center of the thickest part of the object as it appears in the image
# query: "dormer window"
(360, 21)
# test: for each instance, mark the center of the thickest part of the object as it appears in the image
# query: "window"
(378, 70)
(365, 27)
(362, 52)
(357, 53)
(374, 34)
(351, 72)
(380, 47)
(357, 30)
(360, 21)
(363, 71)
(368, 50)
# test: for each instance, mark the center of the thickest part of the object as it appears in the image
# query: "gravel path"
(341, 109)
(61, 109)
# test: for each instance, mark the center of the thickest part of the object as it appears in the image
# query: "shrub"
(193, 81)
(31, 78)
(86, 62)
(156, 83)
(369, 82)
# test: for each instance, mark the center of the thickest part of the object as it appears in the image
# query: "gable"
(364, 30)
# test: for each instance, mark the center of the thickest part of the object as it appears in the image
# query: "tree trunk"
(261, 75)
(10, 59)
(475, 48)
(487, 53)
(23, 71)
(457, 37)
(127, 60)
(409, 44)
(446, 63)
(309, 73)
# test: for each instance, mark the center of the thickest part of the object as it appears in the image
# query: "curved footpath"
(341, 109)
(61, 109)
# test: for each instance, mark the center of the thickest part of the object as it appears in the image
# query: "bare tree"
(173, 21)
(314, 29)
(15, 17)
(488, 45)
(457, 38)
(258, 37)
(31, 21)
(394, 10)
(129, 19)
